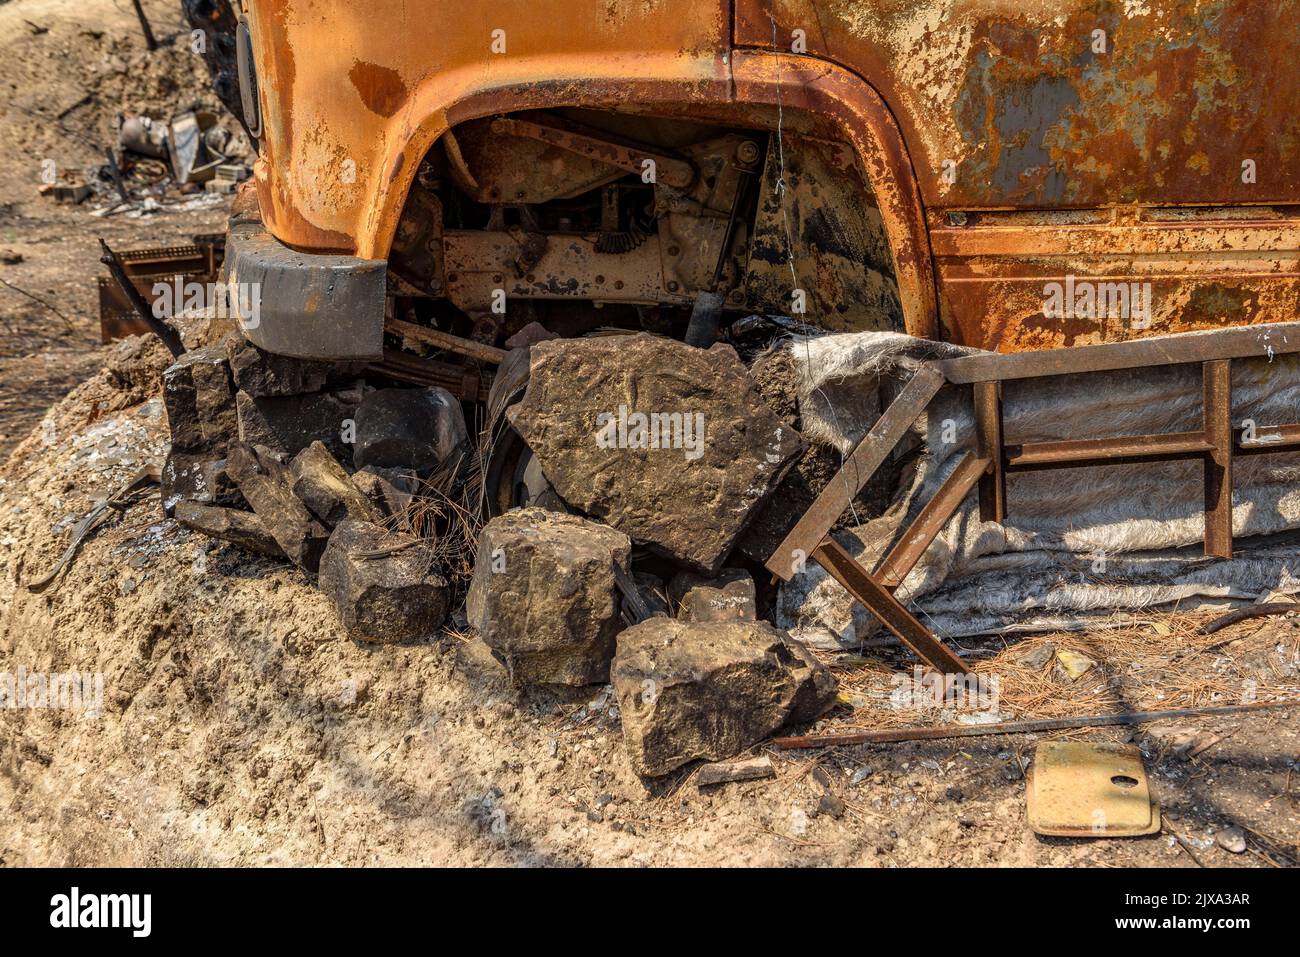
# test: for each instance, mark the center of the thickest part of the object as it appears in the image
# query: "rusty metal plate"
(1077, 789)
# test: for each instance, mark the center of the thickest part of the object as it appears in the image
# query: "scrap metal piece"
(728, 772)
(1029, 726)
(1078, 789)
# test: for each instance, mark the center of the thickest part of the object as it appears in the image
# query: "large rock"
(265, 486)
(689, 690)
(291, 423)
(244, 529)
(729, 597)
(200, 401)
(421, 429)
(381, 584)
(667, 443)
(321, 484)
(265, 374)
(544, 598)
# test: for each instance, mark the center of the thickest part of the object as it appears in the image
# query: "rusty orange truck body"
(1005, 175)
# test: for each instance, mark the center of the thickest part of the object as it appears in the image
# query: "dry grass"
(1162, 662)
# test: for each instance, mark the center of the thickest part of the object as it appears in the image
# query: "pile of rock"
(674, 451)
(259, 446)
(652, 454)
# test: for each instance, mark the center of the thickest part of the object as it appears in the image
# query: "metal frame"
(987, 466)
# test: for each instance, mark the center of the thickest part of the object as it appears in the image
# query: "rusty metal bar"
(857, 470)
(988, 444)
(902, 558)
(1237, 342)
(1217, 383)
(445, 340)
(1126, 450)
(841, 566)
(1027, 726)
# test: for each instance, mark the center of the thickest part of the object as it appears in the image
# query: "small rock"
(1232, 840)
(386, 597)
(543, 596)
(198, 478)
(832, 805)
(326, 489)
(1071, 666)
(1036, 656)
(728, 772)
(200, 401)
(389, 490)
(859, 776)
(954, 794)
(420, 429)
(690, 690)
(244, 529)
(728, 597)
(289, 522)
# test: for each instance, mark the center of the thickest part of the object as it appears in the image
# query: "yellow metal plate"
(1078, 789)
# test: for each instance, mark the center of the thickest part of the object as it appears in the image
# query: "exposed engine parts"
(579, 220)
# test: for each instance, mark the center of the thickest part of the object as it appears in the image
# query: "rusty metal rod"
(895, 735)
(445, 340)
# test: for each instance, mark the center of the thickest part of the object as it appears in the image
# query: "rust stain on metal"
(381, 88)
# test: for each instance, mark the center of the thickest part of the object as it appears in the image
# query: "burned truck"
(1026, 190)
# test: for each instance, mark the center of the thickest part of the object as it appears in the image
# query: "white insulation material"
(1076, 541)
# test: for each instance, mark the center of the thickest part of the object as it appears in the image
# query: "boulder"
(669, 444)
(244, 529)
(265, 374)
(421, 429)
(544, 597)
(391, 596)
(291, 423)
(729, 597)
(327, 490)
(264, 485)
(200, 401)
(689, 690)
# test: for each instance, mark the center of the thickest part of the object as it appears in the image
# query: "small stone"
(682, 469)
(832, 805)
(289, 522)
(389, 490)
(690, 690)
(325, 488)
(1071, 666)
(954, 794)
(384, 597)
(199, 398)
(1035, 656)
(859, 776)
(1232, 840)
(199, 478)
(244, 529)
